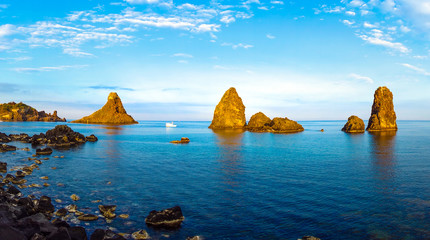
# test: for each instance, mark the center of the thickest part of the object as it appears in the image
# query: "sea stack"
(383, 117)
(259, 122)
(354, 125)
(230, 112)
(20, 112)
(112, 112)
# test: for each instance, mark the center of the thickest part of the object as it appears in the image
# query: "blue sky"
(173, 60)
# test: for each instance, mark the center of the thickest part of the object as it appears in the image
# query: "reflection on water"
(112, 129)
(382, 152)
(230, 157)
(113, 149)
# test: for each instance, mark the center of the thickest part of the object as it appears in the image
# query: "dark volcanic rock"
(62, 136)
(112, 112)
(259, 122)
(43, 151)
(383, 117)
(108, 211)
(45, 206)
(230, 112)
(100, 234)
(88, 217)
(167, 218)
(354, 125)
(3, 167)
(4, 138)
(7, 148)
(77, 233)
(9, 233)
(19, 137)
(21, 112)
(91, 138)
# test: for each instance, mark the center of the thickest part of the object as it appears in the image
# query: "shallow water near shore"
(242, 185)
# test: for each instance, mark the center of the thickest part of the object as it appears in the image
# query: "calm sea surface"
(233, 185)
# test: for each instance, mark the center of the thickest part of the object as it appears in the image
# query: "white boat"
(170, 124)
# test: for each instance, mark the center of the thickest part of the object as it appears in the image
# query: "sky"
(173, 60)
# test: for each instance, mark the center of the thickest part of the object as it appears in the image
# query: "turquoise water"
(242, 185)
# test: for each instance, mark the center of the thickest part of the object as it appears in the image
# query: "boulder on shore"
(167, 218)
(354, 125)
(230, 112)
(20, 112)
(259, 122)
(383, 117)
(112, 112)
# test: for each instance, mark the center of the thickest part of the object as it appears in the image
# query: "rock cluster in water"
(167, 218)
(112, 112)
(354, 125)
(62, 136)
(20, 112)
(383, 117)
(230, 112)
(259, 122)
(183, 140)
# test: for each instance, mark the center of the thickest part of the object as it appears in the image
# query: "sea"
(243, 185)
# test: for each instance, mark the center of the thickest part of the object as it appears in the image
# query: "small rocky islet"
(230, 114)
(382, 118)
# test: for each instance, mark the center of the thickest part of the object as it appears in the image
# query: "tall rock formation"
(383, 117)
(354, 125)
(259, 122)
(230, 112)
(112, 112)
(20, 112)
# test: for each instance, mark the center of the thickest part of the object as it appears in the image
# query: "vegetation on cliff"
(20, 112)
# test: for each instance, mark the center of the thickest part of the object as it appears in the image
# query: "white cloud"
(416, 69)
(350, 13)
(263, 8)
(270, 36)
(48, 69)
(227, 19)
(16, 59)
(369, 25)
(6, 29)
(76, 52)
(348, 23)
(277, 2)
(362, 78)
(4, 6)
(239, 45)
(183, 55)
(141, 1)
(377, 37)
(356, 3)
(183, 61)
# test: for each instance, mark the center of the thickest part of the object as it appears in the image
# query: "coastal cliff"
(20, 112)
(259, 122)
(112, 112)
(383, 117)
(354, 125)
(230, 112)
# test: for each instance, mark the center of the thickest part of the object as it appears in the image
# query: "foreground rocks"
(354, 125)
(62, 136)
(20, 112)
(230, 112)
(168, 218)
(383, 117)
(112, 112)
(259, 122)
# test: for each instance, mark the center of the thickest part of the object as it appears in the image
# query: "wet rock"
(20, 174)
(44, 177)
(124, 216)
(13, 190)
(354, 125)
(167, 218)
(7, 148)
(61, 234)
(3, 167)
(183, 140)
(88, 217)
(141, 234)
(19, 137)
(38, 236)
(91, 138)
(108, 211)
(44, 151)
(72, 208)
(77, 233)
(383, 117)
(45, 206)
(193, 238)
(4, 138)
(75, 197)
(9, 233)
(61, 212)
(100, 234)
(309, 238)
(230, 112)
(112, 112)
